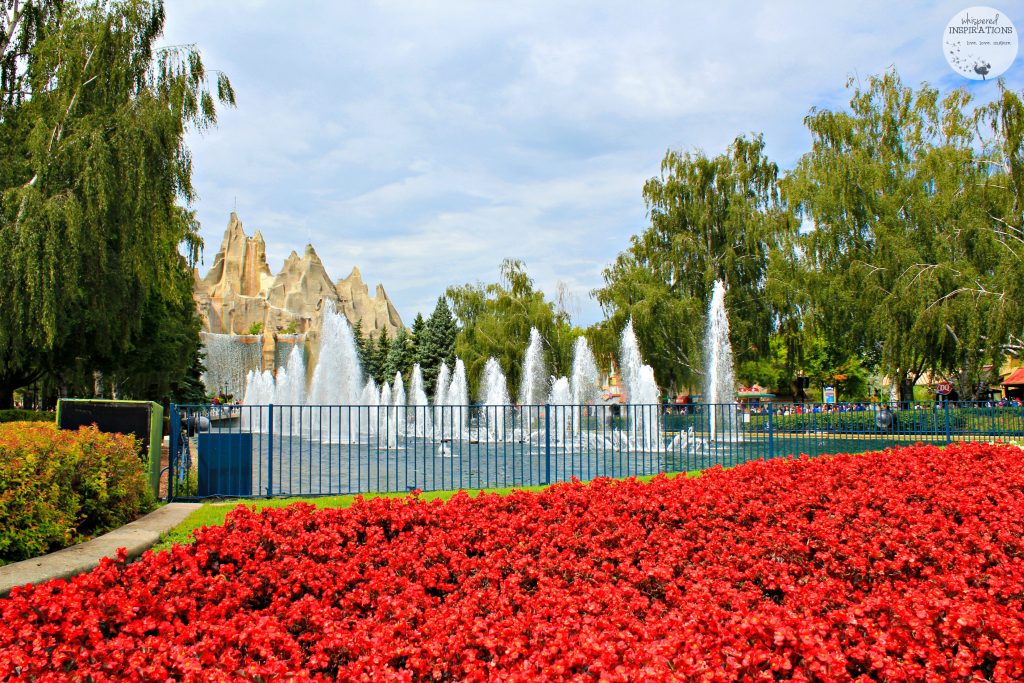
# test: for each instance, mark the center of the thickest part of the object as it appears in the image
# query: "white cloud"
(426, 141)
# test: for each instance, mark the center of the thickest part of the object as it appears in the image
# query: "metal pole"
(547, 443)
(270, 451)
(174, 425)
(948, 434)
(771, 441)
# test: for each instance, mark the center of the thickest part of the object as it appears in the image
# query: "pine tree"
(399, 355)
(380, 357)
(438, 347)
(419, 336)
(357, 334)
(368, 349)
(408, 357)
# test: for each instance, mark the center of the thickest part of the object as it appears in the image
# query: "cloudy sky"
(426, 141)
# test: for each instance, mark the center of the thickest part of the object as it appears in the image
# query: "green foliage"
(418, 337)
(59, 487)
(711, 218)
(436, 343)
(95, 181)
(367, 349)
(381, 352)
(496, 320)
(906, 261)
(401, 356)
(190, 389)
(930, 418)
(291, 328)
(18, 415)
(255, 328)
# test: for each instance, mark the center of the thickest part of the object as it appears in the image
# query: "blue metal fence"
(289, 450)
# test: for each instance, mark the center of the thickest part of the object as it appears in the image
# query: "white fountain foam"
(457, 399)
(583, 383)
(561, 420)
(419, 416)
(398, 391)
(534, 380)
(370, 397)
(290, 393)
(337, 381)
(259, 391)
(338, 378)
(630, 360)
(645, 406)
(387, 425)
(642, 393)
(442, 416)
(720, 385)
(229, 360)
(494, 392)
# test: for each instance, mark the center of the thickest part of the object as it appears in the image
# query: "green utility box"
(143, 419)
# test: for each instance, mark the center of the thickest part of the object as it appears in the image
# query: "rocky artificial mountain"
(240, 291)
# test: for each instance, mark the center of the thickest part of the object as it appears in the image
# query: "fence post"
(771, 441)
(174, 425)
(270, 451)
(948, 434)
(547, 443)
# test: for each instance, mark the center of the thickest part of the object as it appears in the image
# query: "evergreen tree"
(380, 357)
(190, 388)
(369, 352)
(357, 334)
(419, 334)
(400, 356)
(438, 347)
(408, 354)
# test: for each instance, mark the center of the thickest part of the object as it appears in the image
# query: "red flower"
(906, 565)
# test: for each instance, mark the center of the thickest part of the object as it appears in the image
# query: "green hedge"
(19, 415)
(991, 421)
(60, 487)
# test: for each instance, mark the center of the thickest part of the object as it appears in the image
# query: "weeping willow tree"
(95, 185)
(496, 320)
(712, 218)
(916, 247)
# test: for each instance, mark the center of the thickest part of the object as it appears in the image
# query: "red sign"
(944, 388)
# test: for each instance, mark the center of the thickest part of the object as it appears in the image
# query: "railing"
(241, 450)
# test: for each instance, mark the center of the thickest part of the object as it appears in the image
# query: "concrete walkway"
(136, 537)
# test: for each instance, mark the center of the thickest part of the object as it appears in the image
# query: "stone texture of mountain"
(240, 290)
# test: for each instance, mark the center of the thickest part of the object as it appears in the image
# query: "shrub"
(903, 565)
(932, 419)
(59, 487)
(19, 415)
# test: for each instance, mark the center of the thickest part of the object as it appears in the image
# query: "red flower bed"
(905, 565)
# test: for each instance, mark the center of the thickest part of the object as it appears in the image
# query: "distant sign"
(944, 388)
(830, 394)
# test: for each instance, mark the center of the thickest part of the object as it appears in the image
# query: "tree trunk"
(6, 395)
(907, 390)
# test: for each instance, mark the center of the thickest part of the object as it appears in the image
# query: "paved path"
(136, 537)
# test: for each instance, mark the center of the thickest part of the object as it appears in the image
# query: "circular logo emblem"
(944, 388)
(980, 43)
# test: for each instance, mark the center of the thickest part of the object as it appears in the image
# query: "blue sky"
(426, 141)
